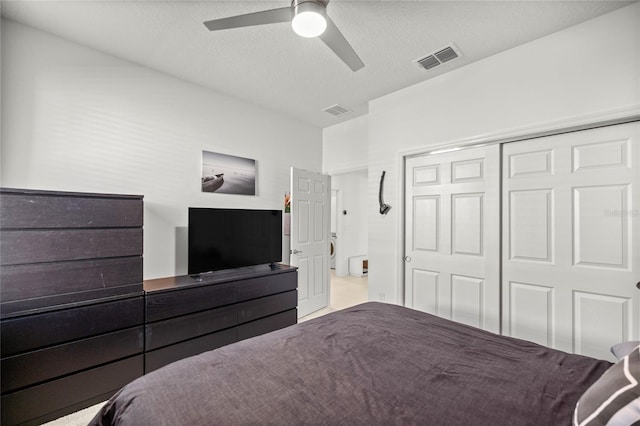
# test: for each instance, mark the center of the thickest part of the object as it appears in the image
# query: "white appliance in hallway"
(332, 250)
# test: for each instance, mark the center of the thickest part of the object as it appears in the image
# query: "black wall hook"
(384, 208)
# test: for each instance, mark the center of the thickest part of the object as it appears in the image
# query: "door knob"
(294, 251)
(407, 259)
(638, 285)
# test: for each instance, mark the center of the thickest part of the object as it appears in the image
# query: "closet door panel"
(466, 300)
(599, 318)
(531, 312)
(571, 238)
(531, 229)
(424, 291)
(425, 235)
(452, 244)
(600, 237)
(466, 224)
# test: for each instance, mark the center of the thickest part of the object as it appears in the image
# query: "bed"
(372, 364)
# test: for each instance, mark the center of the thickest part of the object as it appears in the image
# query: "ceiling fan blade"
(271, 16)
(333, 38)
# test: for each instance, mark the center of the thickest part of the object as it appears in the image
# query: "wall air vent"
(337, 110)
(440, 57)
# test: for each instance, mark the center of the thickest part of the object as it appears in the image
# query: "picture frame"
(228, 174)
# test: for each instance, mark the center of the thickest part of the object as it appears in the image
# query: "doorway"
(349, 233)
(345, 292)
(333, 241)
(350, 222)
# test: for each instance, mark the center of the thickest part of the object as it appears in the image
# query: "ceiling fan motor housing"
(316, 6)
(309, 17)
(296, 3)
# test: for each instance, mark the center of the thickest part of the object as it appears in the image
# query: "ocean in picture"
(228, 174)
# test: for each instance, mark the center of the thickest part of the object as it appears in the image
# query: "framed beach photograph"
(228, 174)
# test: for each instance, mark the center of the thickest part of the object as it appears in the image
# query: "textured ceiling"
(272, 67)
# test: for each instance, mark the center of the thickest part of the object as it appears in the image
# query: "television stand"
(185, 316)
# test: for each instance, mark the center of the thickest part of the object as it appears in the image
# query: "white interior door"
(310, 233)
(452, 250)
(571, 239)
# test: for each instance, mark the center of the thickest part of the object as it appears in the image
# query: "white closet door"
(571, 239)
(452, 236)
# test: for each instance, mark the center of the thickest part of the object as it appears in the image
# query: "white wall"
(590, 69)
(75, 119)
(345, 146)
(351, 228)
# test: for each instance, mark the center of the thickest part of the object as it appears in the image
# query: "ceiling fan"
(308, 19)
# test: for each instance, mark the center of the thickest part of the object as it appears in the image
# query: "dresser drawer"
(161, 357)
(40, 285)
(264, 286)
(45, 364)
(34, 246)
(163, 333)
(32, 332)
(257, 308)
(42, 402)
(48, 279)
(27, 210)
(168, 304)
(268, 324)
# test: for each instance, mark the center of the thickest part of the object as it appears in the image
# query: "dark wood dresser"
(71, 301)
(186, 316)
(77, 322)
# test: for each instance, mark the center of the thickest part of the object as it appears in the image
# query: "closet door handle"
(296, 251)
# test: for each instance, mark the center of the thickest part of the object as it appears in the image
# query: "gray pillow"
(623, 349)
(614, 399)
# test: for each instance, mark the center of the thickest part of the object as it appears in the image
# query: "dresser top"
(16, 191)
(216, 277)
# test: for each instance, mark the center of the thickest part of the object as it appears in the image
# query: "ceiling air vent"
(337, 110)
(428, 62)
(440, 57)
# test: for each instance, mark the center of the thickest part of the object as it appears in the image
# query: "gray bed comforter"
(373, 364)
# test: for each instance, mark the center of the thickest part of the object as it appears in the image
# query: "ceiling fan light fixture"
(309, 19)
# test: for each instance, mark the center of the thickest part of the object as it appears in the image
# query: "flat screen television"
(233, 238)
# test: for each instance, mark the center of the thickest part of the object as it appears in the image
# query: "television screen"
(233, 238)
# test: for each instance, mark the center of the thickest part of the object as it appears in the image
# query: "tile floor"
(345, 291)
